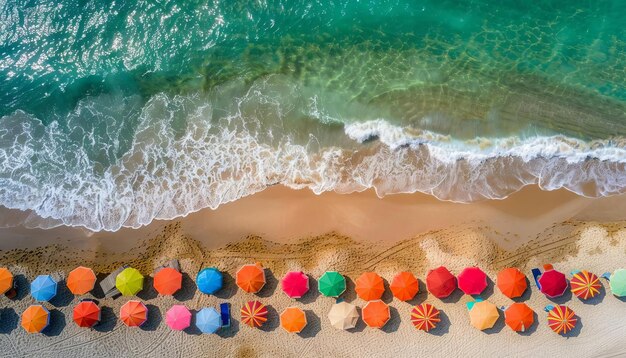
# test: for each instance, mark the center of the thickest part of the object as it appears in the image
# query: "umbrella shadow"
(229, 287)
(387, 296)
(312, 294)
(8, 320)
(97, 290)
(271, 282)
(193, 329)
(148, 292)
(530, 330)
(63, 297)
(623, 298)
(597, 299)
(488, 291)
(22, 286)
(188, 289)
(229, 332)
(273, 320)
(420, 296)
(497, 327)
(360, 324)
(394, 321)
(575, 332)
(566, 297)
(313, 326)
(349, 294)
(443, 327)
(526, 295)
(57, 324)
(154, 318)
(108, 320)
(454, 297)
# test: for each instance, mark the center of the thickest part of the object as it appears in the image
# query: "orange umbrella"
(585, 285)
(404, 286)
(251, 278)
(81, 280)
(519, 317)
(370, 286)
(376, 314)
(561, 319)
(511, 282)
(134, 313)
(425, 317)
(254, 314)
(35, 319)
(293, 320)
(6, 280)
(86, 314)
(168, 281)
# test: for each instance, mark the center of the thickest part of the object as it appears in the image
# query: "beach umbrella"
(178, 317)
(168, 281)
(6, 280)
(553, 283)
(376, 314)
(295, 284)
(43, 288)
(617, 282)
(331, 284)
(519, 317)
(208, 320)
(483, 315)
(404, 286)
(293, 320)
(440, 282)
(343, 315)
(210, 280)
(134, 313)
(561, 319)
(370, 286)
(86, 314)
(425, 317)
(35, 319)
(81, 280)
(511, 282)
(129, 282)
(254, 314)
(472, 281)
(251, 278)
(585, 284)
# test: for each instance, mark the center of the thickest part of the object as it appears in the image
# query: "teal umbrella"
(331, 284)
(617, 282)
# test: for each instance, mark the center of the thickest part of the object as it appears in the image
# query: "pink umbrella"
(178, 317)
(295, 284)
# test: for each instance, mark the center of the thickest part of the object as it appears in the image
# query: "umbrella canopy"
(86, 314)
(343, 315)
(295, 284)
(129, 282)
(168, 281)
(376, 314)
(331, 284)
(617, 282)
(178, 317)
(425, 317)
(35, 319)
(440, 282)
(293, 320)
(370, 286)
(512, 282)
(43, 288)
(6, 280)
(561, 319)
(208, 320)
(251, 278)
(134, 313)
(519, 317)
(404, 286)
(585, 284)
(472, 281)
(553, 283)
(81, 280)
(210, 280)
(483, 315)
(254, 314)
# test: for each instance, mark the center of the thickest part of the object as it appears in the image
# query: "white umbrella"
(343, 315)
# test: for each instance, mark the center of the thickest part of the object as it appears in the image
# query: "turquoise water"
(117, 113)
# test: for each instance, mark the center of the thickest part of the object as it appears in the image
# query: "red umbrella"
(86, 314)
(553, 283)
(440, 282)
(472, 281)
(295, 284)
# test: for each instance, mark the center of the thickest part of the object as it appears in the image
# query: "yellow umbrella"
(129, 281)
(483, 315)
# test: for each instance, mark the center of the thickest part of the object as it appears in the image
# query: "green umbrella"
(129, 281)
(331, 284)
(618, 283)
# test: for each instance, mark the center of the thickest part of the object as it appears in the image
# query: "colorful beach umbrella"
(254, 314)
(483, 315)
(295, 284)
(425, 317)
(440, 282)
(519, 317)
(585, 285)
(6, 280)
(472, 281)
(617, 282)
(512, 282)
(43, 288)
(35, 319)
(404, 286)
(81, 280)
(331, 284)
(178, 317)
(129, 282)
(134, 313)
(343, 315)
(293, 320)
(208, 320)
(553, 283)
(561, 319)
(210, 280)
(251, 278)
(370, 286)
(86, 314)
(376, 314)
(167, 281)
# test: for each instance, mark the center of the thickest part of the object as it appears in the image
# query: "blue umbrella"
(208, 320)
(43, 288)
(209, 280)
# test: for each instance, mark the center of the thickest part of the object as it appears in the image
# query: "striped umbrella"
(561, 319)
(585, 285)
(254, 314)
(425, 317)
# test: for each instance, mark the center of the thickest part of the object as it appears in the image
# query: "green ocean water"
(117, 113)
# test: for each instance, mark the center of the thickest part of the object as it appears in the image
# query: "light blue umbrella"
(208, 320)
(209, 280)
(43, 288)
